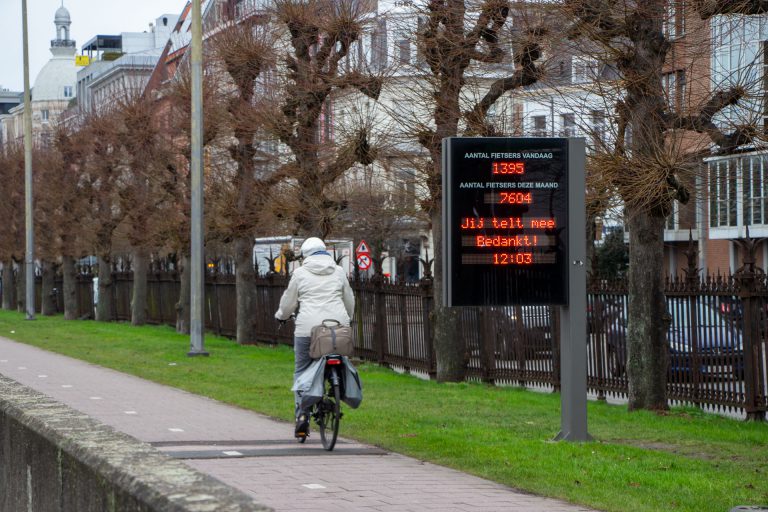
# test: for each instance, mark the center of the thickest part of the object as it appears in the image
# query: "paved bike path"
(257, 454)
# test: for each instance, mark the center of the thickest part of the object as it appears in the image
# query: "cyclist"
(322, 289)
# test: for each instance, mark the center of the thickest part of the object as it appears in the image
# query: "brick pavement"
(255, 453)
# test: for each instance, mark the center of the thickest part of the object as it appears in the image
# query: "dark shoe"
(302, 426)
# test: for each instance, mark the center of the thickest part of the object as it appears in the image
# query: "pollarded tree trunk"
(646, 336)
(69, 288)
(105, 300)
(9, 290)
(139, 293)
(21, 287)
(183, 304)
(245, 287)
(448, 343)
(645, 107)
(48, 294)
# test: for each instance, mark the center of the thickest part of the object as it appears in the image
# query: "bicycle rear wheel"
(331, 413)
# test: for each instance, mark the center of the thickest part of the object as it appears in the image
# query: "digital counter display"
(505, 206)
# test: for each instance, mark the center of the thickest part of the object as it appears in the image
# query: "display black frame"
(471, 190)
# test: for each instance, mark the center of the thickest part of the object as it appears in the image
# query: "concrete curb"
(53, 457)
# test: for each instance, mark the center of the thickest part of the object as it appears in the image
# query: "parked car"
(718, 342)
(733, 308)
(601, 311)
(523, 332)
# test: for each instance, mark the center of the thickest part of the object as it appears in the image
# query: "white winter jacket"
(322, 289)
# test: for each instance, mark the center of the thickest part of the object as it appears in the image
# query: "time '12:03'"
(513, 258)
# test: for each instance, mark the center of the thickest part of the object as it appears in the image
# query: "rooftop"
(104, 42)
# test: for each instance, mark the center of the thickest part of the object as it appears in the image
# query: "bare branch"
(492, 17)
(709, 8)
(526, 74)
(702, 123)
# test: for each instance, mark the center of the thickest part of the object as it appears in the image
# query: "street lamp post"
(29, 260)
(197, 347)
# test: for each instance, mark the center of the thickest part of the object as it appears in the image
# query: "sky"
(89, 18)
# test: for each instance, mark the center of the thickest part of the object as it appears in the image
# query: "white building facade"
(120, 65)
(53, 89)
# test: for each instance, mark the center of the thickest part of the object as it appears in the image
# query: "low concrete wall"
(56, 459)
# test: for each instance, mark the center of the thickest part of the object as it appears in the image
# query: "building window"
(674, 20)
(569, 125)
(44, 114)
(404, 51)
(67, 91)
(672, 219)
(675, 90)
(722, 193)
(737, 60)
(327, 121)
(421, 56)
(755, 172)
(583, 69)
(379, 50)
(403, 185)
(539, 126)
(597, 122)
(517, 119)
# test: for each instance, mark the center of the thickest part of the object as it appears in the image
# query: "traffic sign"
(364, 261)
(363, 248)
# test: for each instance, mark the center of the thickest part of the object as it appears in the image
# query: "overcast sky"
(89, 18)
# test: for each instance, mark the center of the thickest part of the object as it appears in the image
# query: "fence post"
(487, 344)
(554, 315)
(158, 276)
(380, 312)
(215, 303)
(427, 301)
(691, 280)
(519, 343)
(405, 331)
(746, 276)
(599, 338)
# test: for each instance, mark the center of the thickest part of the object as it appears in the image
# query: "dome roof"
(60, 71)
(62, 15)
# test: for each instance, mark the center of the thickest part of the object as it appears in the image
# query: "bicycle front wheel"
(331, 415)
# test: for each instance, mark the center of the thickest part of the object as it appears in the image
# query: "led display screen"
(505, 226)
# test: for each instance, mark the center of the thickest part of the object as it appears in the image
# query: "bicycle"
(327, 411)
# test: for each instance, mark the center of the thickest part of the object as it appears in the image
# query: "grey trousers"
(302, 362)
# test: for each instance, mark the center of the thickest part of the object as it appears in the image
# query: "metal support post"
(29, 259)
(573, 317)
(197, 287)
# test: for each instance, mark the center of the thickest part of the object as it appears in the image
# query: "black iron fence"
(717, 333)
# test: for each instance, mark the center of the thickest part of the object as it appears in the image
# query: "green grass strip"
(685, 460)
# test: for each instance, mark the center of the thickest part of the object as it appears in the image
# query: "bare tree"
(454, 36)
(101, 175)
(379, 211)
(12, 227)
(174, 114)
(145, 160)
(650, 166)
(283, 66)
(47, 165)
(71, 205)
(312, 70)
(244, 51)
